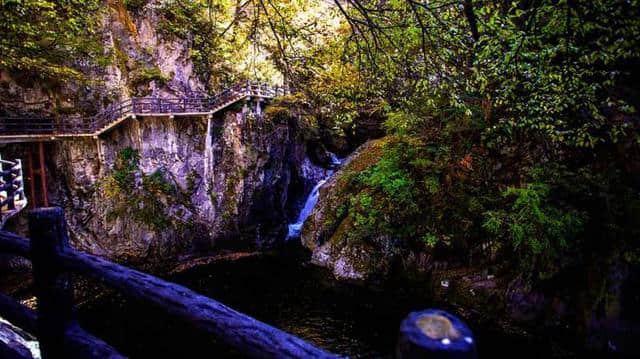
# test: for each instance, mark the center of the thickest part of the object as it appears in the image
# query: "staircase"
(30, 129)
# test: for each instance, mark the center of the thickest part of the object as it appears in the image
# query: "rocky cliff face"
(181, 195)
(142, 61)
(154, 187)
(158, 187)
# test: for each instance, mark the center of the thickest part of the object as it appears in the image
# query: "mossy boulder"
(329, 231)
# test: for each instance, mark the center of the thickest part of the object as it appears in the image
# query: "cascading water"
(335, 161)
(296, 228)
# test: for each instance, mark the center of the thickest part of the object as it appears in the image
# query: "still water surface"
(287, 294)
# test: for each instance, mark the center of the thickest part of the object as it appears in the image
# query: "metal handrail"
(18, 126)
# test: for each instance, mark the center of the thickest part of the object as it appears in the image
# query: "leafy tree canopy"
(49, 39)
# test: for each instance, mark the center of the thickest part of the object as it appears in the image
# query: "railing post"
(6, 195)
(53, 286)
(7, 181)
(435, 333)
(19, 179)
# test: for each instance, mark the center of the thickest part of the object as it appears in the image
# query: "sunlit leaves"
(551, 68)
(44, 38)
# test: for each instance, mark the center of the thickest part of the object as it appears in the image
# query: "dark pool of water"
(297, 298)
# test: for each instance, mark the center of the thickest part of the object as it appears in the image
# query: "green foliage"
(126, 199)
(390, 177)
(479, 97)
(430, 240)
(157, 184)
(390, 183)
(278, 113)
(401, 196)
(535, 228)
(126, 164)
(145, 75)
(403, 123)
(550, 70)
(42, 38)
(135, 5)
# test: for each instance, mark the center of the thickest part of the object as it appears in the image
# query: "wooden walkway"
(34, 129)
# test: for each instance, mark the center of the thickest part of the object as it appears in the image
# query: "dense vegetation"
(48, 39)
(512, 126)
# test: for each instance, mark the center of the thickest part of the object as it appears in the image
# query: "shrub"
(126, 200)
(126, 164)
(534, 227)
(146, 75)
(156, 183)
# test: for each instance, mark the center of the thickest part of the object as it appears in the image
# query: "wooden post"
(435, 334)
(53, 286)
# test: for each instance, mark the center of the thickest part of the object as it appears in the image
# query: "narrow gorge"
(345, 178)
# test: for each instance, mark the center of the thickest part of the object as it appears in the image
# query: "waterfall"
(208, 154)
(335, 161)
(296, 228)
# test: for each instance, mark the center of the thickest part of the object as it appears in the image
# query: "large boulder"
(326, 231)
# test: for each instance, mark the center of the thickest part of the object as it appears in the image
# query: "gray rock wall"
(244, 199)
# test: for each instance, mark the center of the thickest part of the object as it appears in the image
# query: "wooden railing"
(12, 198)
(424, 334)
(95, 125)
(56, 327)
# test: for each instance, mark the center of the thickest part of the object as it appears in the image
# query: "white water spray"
(296, 228)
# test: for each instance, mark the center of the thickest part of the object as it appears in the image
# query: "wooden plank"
(13, 349)
(18, 314)
(14, 244)
(80, 344)
(248, 335)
